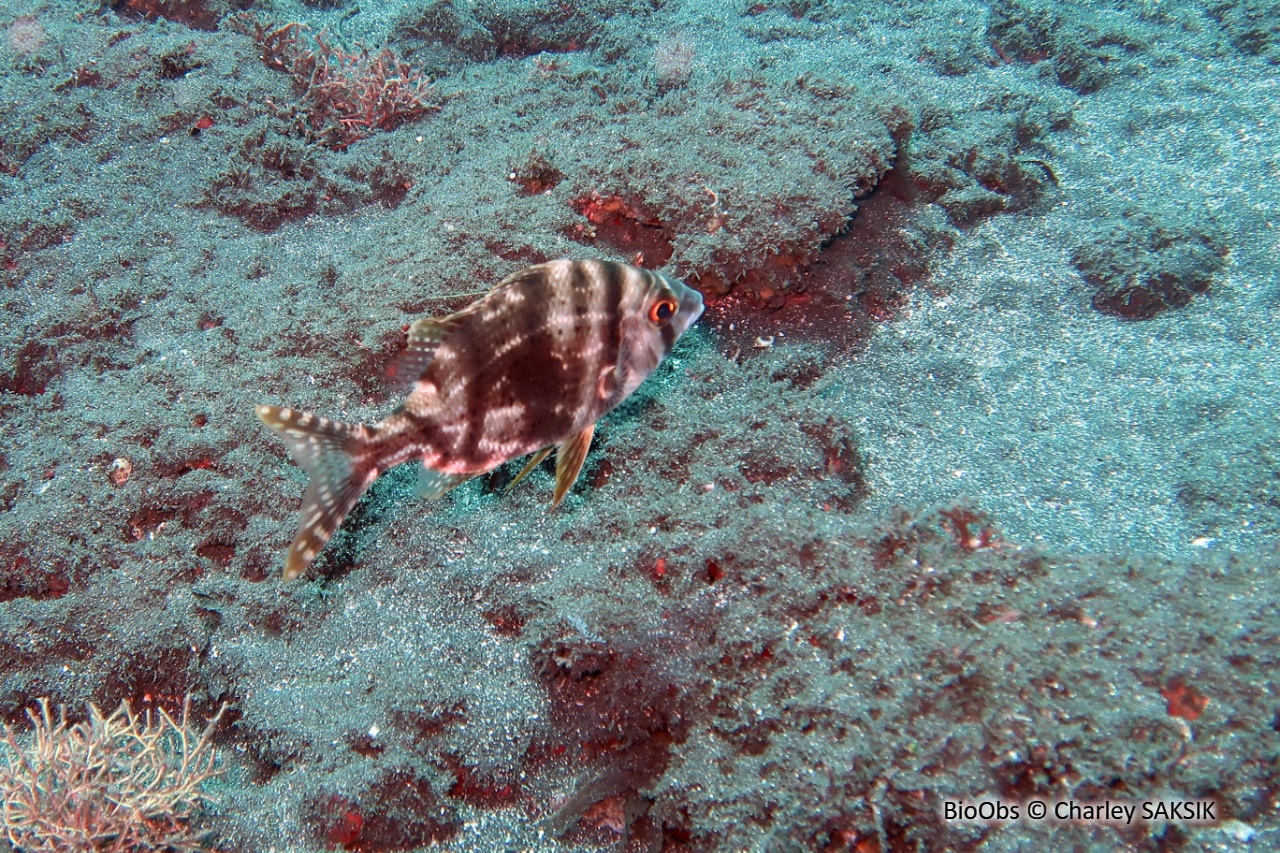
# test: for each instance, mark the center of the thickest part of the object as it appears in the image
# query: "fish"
(528, 368)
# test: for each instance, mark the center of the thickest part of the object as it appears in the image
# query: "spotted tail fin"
(336, 457)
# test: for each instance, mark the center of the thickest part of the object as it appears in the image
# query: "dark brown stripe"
(528, 373)
(473, 349)
(610, 330)
(668, 337)
(583, 304)
(576, 332)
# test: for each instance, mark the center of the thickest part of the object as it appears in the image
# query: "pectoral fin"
(570, 454)
(533, 462)
(425, 337)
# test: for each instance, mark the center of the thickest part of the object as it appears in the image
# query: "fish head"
(660, 312)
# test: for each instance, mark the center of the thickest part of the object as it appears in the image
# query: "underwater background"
(966, 486)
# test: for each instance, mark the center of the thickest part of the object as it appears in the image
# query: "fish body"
(528, 368)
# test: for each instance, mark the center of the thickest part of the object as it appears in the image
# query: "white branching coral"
(122, 783)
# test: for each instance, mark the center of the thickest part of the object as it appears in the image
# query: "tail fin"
(335, 456)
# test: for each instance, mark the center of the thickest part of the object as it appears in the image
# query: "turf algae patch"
(445, 35)
(79, 648)
(536, 174)
(30, 369)
(804, 677)
(768, 189)
(272, 180)
(724, 230)
(1013, 708)
(624, 694)
(1143, 263)
(1245, 483)
(830, 241)
(991, 159)
(96, 334)
(197, 14)
(1080, 51)
(1250, 25)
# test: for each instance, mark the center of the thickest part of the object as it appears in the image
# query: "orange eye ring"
(661, 312)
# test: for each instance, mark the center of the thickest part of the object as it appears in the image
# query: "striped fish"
(528, 368)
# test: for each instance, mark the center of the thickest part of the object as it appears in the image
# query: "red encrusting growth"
(969, 529)
(398, 812)
(626, 225)
(1183, 700)
(484, 789)
(346, 823)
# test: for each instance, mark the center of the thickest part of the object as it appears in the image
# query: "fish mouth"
(691, 307)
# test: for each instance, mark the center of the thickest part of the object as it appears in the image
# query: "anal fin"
(433, 484)
(570, 454)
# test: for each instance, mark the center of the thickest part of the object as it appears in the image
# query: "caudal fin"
(335, 456)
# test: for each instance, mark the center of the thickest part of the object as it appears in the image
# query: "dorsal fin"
(538, 272)
(425, 336)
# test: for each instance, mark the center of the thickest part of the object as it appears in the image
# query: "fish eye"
(661, 312)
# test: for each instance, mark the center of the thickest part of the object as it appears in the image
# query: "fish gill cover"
(964, 487)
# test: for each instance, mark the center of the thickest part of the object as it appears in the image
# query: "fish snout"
(691, 307)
